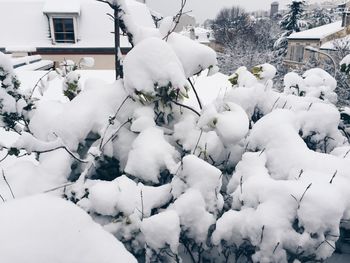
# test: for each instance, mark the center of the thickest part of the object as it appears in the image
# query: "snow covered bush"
(249, 175)
(345, 64)
(13, 103)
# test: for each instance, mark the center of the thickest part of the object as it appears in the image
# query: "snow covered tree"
(294, 20)
(319, 17)
(246, 40)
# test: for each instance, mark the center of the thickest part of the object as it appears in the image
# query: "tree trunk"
(118, 68)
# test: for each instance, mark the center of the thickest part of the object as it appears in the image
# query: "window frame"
(53, 32)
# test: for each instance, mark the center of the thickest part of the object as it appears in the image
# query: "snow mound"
(146, 159)
(123, 195)
(42, 229)
(195, 57)
(142, 64)
(197, 174)
(193, 215)
(161, 230)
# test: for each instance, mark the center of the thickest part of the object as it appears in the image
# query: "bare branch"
(111, 120)
(176, 19)
(37, 83)
(195, 92)
(187, 107)
(58, 187)
(7, 183)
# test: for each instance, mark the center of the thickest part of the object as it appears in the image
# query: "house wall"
(340, 34)
(296, 51)
(102, 61)
(185, 21)
(292, 60)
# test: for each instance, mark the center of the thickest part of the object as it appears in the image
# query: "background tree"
(294, 20)
(320, 16)
(246, 40)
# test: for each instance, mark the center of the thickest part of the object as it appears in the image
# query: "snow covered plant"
(14, 105)
(67, 70)
(249, 175)
(345, 65)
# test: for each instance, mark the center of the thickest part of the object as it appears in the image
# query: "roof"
(318, 32)
(343, 43)
(202, 35)
(62, 6)
(28, 28)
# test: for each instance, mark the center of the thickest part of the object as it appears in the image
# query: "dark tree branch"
(176, 19)
(195, 92)
(185, 106)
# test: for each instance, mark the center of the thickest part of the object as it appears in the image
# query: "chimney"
(346, 15)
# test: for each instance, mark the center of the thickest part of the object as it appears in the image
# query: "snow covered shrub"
(314, 83)
(345, 64)
(249, 175)
(13, 103)
(67, 70)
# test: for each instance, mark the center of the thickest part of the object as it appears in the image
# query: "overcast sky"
(203, 9)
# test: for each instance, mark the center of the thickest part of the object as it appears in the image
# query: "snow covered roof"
(343, 43)
(201, 35)
(28, 25)
(62, 6)
(318, 32)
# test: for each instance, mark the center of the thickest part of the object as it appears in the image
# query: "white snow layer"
(42, 229)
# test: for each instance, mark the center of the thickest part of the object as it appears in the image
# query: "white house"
(64, 29)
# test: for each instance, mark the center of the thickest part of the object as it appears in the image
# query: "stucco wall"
(101, 61)
(303, 43)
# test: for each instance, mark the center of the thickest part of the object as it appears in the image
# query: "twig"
(176, 19)
(111, 120)
(142, 209)
(195, 92)
(199, 138)
(106, 2)
(114, 135)
(262, 233)
(285, 104)
(331, 181)
(37, 83)
(302, 197)
(8, 185)
(241, 184)
(309, 106)
(188, 250)
(273, 106)
(262, 151)
(58, 187)
(274, 250)
(300, 174)
(7, 154)
(346, 154)
(296, 200)
(185, 106)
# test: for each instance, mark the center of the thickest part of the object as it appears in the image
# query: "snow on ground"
(42, 228)
(264, 167)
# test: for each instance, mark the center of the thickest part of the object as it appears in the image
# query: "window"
(63, 30)
(299, 54)
(291, 53)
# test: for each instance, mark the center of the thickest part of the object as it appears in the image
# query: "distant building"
(322, 38)
(185, 21)
(274, 9)
(65, 29)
